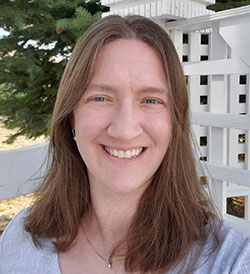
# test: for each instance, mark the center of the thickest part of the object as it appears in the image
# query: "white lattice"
(215, 54)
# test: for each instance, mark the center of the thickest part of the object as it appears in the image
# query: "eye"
(152, 101)
(98, 99)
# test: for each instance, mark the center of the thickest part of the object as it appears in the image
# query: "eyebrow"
(102, 87)
(150, 89)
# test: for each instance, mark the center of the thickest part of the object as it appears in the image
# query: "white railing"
(22, 170)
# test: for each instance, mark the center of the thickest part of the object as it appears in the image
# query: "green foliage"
(42, 34)
(225, 4)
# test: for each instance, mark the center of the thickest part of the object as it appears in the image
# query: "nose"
(125, 124)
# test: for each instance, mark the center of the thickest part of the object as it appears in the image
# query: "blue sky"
(3, 32)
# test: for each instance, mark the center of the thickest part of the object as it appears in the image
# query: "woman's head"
(123, 121)
(81, 67)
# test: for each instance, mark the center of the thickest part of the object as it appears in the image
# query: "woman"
(122, 194)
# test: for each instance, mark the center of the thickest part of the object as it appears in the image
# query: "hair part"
(173, 212)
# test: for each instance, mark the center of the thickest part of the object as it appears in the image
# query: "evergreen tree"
(228, 4)
(42, 34)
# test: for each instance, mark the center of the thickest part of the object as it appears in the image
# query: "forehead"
(129, 61)
(129, 50)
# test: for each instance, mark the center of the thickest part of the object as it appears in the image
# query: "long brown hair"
(173, 212)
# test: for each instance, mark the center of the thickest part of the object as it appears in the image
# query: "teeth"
(124, 154)
(128, 154)
(107, 149)
(120, 154)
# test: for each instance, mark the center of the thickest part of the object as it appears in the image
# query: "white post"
(248, 132)
(176, 37)
(218, 104)
(247, 207)
(194, 80)
(247, 198)
(233, 97)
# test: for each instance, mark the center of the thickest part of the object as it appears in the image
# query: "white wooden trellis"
(224, 118)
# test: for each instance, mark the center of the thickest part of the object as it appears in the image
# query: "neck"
(110, 217)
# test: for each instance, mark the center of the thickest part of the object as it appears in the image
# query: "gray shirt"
(18, 255)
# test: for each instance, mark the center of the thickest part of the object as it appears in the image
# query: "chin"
(127, 186)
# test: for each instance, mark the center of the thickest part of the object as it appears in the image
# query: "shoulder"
(235, 247)
(231, 256)
(18, 254)
(232, 236)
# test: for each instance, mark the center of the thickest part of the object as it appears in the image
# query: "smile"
(124, 154)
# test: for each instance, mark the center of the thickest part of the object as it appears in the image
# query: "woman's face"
(122, 122)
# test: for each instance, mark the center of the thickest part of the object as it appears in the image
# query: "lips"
(127, 154)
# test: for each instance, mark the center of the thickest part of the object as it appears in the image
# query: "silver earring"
(74, 134)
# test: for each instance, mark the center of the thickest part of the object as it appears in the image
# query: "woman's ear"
(72, 121)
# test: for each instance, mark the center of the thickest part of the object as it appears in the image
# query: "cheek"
(159, 127)
(88, 124)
